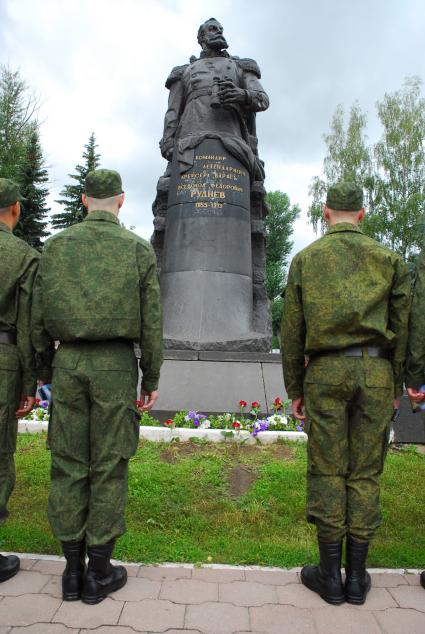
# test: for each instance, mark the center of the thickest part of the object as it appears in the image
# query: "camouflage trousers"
(93, 431)
(348, 404)
(9, 400)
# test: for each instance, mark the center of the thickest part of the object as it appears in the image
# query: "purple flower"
(299, 427)
(44, 404)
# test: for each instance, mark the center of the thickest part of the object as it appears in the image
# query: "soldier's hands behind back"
(297, 408)
(415, 395)
(147, 399)
(25, 406)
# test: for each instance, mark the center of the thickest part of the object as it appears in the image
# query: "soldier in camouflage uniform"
(345, 312)
(415, 366)
(96, 292)
(19, 263)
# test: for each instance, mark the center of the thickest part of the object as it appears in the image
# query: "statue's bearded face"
(212, 35)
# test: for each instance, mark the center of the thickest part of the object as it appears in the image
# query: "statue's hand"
(230, 93)
(166, 148)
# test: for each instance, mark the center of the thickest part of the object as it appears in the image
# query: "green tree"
(18, 116)
(32, 178)
(348, 157)
(397, 218)
(279, 229)
(74, 211)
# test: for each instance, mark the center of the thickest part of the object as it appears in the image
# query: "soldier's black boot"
(73, 575)
(9, 566)
(422, 579)
(357, 583)
(102, 577)
(325, 579)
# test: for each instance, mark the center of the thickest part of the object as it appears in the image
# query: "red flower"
(255, 405)
(236, 424)
(139, 403)
(277, 402)
(37, 401)
(169, 421)
(242, 404)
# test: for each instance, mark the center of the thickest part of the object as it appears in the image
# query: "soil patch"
(240, 479)
(284, 452)
(179, 450)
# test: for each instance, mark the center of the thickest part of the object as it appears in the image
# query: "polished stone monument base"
(215, 382)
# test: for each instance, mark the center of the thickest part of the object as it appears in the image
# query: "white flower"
(205, 424)
(277, 419)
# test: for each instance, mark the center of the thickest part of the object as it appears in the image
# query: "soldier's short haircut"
(102, 203)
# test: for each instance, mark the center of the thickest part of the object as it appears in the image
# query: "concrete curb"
(375, 571)
(164, 434)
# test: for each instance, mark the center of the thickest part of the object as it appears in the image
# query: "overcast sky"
(100, 65)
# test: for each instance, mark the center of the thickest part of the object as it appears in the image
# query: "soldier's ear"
(121, 200)
(84, 200)
(326, 213)
(361, 214)
(16, 212)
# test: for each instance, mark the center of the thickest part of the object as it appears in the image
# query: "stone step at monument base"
(213, 382)
(252, 342)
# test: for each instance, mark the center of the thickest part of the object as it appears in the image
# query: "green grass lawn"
(191, 502)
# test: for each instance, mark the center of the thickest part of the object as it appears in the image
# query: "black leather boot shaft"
(102, 577)
(325, 579)
(358, 582)
(99, 557)
(9, 567)
(73, 575)
(422, 579)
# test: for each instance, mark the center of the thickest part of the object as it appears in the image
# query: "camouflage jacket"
(96, 282)
(344, 290)
(415, 367)
(19, 264)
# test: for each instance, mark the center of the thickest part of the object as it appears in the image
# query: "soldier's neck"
(7, 220)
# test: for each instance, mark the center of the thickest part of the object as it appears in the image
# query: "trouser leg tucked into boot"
(102, 577)
(73, 575)
(9, 566)
(325, 579)
(358, 582)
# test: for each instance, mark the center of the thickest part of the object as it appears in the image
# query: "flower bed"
(246, 426)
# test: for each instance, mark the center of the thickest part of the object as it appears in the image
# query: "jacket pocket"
(379, 373)
(326, 371)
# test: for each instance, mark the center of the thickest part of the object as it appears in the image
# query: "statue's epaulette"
(249, 64)
(175, 75)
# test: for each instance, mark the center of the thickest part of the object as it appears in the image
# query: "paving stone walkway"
(210, 600)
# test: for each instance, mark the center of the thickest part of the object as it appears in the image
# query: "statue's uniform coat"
(190, 118)
(96, 292)
(19, 264)
(345, 290)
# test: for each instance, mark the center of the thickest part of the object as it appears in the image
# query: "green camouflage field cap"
(103, 184)
(9, 193)
(345, 196)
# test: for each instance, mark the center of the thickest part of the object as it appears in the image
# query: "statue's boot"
(73, 575)
(325, 579)
(102, 577)
(422, 579)
(9, 566)
(358, 582)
